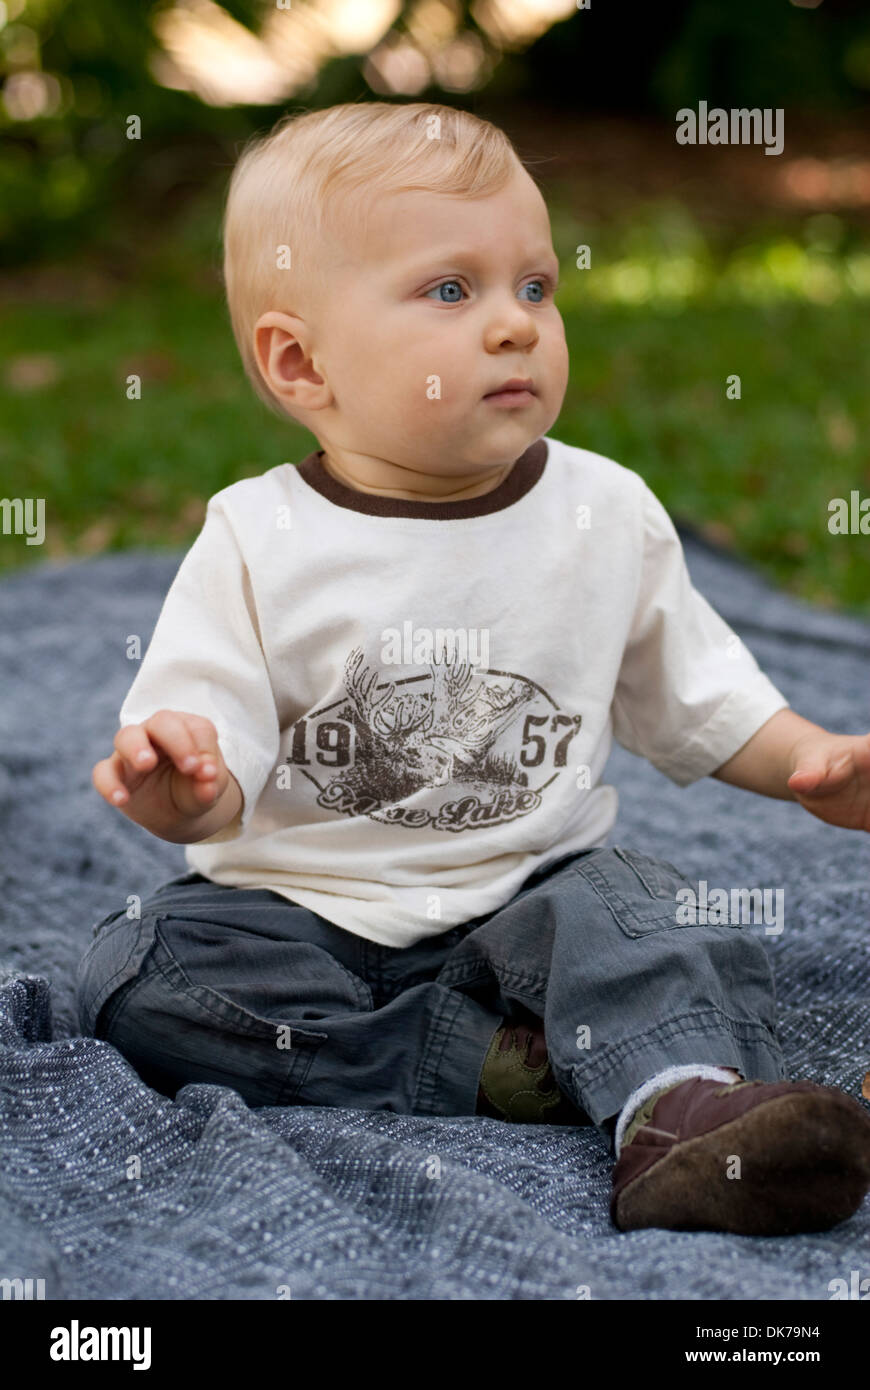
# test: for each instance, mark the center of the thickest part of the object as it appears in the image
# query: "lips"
(515, 384)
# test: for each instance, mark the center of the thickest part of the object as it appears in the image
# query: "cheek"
(558, 332)
(430, 365)
(559, 351)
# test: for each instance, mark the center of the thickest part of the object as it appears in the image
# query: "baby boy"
(380, 695)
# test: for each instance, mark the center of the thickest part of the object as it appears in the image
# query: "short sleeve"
(205, 657)
(689, 694)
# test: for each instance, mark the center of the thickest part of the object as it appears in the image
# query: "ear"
(282, 353)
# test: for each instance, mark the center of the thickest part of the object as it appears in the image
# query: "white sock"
(668, 1077)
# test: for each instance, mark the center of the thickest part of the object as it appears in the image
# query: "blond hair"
(289, 188)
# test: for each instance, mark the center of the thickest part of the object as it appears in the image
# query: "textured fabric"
(235, 1203)
(418, 709)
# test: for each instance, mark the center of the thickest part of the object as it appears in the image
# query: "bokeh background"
(706, 260)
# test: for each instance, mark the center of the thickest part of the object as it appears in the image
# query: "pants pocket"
(639, 892)
(114, 958)
(176, 1031)
(118, 946)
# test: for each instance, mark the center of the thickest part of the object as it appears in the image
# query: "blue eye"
(441, 287)
(537, 285)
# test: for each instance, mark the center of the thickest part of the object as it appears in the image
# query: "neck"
(391, 480)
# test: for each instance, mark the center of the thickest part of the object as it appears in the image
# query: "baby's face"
(435, 304)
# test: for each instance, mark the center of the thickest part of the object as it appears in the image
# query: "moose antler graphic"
(455, 722)
(386, 714)
(362, 688)
(473, 715)
(450, 692)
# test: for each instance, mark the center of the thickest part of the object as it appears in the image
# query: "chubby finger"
(193, 794)
(205, 739)
(166, 730)
(134, 748)
(204, 791)
(108, 778)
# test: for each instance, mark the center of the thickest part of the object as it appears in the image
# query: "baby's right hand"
(165, 772)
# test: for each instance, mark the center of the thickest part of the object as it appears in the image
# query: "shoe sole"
(804, 1166)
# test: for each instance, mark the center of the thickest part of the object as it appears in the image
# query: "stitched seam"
(439, 1035)
(360, 987)
(528, 985)
(243, 1013)
(532, 997)
(115, 1001)
(139, 981)
(295, 1075)
(649, 922)
(617, 1052)
(175, 916)
(628, 858)
(106, 989)
(598, 882)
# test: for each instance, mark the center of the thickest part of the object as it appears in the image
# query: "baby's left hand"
(831, 778)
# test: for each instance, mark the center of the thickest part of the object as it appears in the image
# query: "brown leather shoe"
(803, 1151)
(517, 1083)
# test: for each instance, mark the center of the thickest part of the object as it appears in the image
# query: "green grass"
(755, 474)
(666, 314)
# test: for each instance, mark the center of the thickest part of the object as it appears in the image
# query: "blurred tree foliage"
(64, 173)
(653, 59)
(75, 70)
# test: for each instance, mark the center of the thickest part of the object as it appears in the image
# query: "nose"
(511, 325)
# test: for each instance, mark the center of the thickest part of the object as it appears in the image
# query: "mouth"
(517, 391)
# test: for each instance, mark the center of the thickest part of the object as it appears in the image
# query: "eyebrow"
(459, 257)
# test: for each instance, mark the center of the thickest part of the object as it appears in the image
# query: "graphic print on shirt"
(486, 744)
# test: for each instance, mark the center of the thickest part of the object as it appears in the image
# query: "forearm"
(766, 762)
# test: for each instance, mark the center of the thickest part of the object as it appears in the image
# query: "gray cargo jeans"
(241, 988)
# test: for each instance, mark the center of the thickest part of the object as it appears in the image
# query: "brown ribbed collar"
(522, 477)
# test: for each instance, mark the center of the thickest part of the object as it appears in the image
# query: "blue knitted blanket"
(110, 1191)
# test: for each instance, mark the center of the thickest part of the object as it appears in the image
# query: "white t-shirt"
(418, 699)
